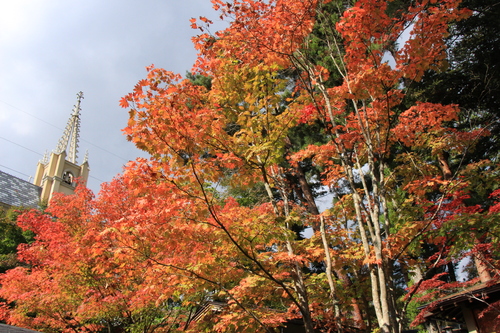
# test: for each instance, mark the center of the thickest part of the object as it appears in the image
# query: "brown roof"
(448, 307)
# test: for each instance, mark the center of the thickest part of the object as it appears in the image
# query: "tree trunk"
(482, 269)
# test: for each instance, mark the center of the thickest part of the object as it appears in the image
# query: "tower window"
(68, 178)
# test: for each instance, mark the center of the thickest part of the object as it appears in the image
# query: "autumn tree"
(376, 149)
(471, 78)
(76, 278)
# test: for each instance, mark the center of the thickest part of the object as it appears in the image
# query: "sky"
(52, 49)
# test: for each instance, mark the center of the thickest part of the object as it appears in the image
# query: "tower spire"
(71, 133)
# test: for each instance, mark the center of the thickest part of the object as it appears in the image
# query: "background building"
(56, 173)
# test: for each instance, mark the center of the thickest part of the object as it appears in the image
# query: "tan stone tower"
(58, 172)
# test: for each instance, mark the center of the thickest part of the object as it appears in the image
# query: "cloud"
(19, 19)
(54, 49)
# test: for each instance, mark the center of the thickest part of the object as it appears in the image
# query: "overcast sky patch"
(52, 49)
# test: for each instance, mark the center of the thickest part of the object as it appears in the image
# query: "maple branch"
(430, 221)
(215, 216)
(219, 285)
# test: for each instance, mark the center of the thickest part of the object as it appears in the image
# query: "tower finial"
(86, 158)
(71, 133)
(45, 158)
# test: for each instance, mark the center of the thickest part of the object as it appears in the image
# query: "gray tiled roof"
(13, 329)
(17, 192)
